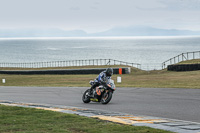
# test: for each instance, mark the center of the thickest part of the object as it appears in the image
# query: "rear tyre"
(86, 97)
(106, 97)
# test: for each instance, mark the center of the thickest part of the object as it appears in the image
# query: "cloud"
(169, 5)
(175, 5)
(98, 14)
(74, 8)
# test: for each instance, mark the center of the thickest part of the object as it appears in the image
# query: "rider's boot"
(91, 91)
(92, 88)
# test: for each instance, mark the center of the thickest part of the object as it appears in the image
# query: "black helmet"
(109, 71)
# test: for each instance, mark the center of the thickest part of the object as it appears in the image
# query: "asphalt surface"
(181, 104)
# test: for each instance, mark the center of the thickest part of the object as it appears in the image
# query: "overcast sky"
(99, 15)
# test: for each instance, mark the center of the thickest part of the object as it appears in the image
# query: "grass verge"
(153, 79)
(137, 78)
(194, 61)
(18, 119)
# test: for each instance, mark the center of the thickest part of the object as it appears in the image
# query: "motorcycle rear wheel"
(86, 97)
(106, 97)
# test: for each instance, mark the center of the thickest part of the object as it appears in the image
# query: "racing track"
(181, 104)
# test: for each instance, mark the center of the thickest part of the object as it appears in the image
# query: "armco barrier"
(67, 71)
(183, 67)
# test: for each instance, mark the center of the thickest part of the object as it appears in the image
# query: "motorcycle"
(102, 93)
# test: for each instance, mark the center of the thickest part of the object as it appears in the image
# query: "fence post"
(199, 54)
(174, 60)
(66, 63)
(193, 56)
(182, 56)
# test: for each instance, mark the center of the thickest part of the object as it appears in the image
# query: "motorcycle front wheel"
(86, 97)
(106, 97)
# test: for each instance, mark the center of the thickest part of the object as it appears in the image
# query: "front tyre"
(106, 97)
(86, 97)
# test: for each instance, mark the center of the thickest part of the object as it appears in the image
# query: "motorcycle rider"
(101, 78)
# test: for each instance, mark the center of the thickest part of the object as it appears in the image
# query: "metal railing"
(89, 62)
(181, 57)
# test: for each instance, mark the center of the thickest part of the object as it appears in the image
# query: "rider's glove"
(103, 82)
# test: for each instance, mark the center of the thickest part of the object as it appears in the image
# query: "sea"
(149, 51)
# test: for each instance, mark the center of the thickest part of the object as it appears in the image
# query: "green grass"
(163, 79)
(194, 61)
(22, 120)
(137, 78)
(152, 79)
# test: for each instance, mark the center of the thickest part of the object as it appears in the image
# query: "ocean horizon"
(103, 37)
(149, 51)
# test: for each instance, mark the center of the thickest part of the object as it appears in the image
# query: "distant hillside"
(145, 31)
(119, 31)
